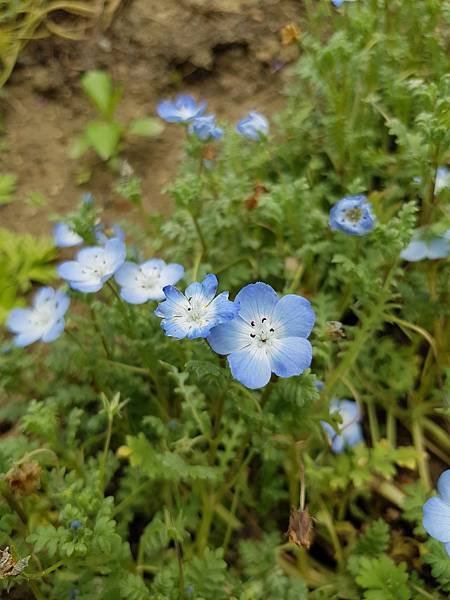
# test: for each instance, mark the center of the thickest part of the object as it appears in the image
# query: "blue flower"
(205, 128)
(267, 336)
(65, 237)
(181, 110)
(254, 126)
(93, 266)
(194, 313)
(436, 512)
(337, 3)
(76, 524)
(352, 215)
(432, 248)
(103, 236)
(442, 179)
(43, 321)
(144, 282)
(350, 431)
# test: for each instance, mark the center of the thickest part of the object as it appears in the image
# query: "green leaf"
(79, 146)
(382, 578)
(8, 183)
(146, 127)
(104, 137)
(99, 88)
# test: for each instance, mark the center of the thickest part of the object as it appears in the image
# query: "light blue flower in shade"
(102, 234)
(442, 179)
(267, 336)
(205, 128)
(43, 321)
(436, 512)
(421, 248)
(194, 313)
(350, 431)
(352, 215)
(254, 126)
(337, 3)
(93, 266)
(144, 282)
(65, 237)
(181, 110)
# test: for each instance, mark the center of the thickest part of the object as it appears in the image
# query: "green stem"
(105, 453)
(422, 463)
(199, 233)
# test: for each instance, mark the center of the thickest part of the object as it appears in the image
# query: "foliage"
(160, 475)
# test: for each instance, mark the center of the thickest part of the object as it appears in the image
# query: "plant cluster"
(145, 465)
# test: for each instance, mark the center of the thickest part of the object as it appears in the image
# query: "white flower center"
(44, 316)
(99, 266)
(185, 113)
(262, 332)
(149, 280)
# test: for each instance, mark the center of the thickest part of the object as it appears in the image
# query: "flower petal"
(202, 292)
(352, 434)
(72, 271)
(438, 248)
(436, 519)
(87, 287)
(256, 301)
(221, 309)
(126, 275)
(414, 251)
(42, 296)
(230, 336)
(443, 486)
(134, 295)
(251, 367)
(289, 356)
(294, 316)
(115, 251)
(175, 301)
(62, 302)
(19, 320)
(171, 274)
(54, 331)
(27, 338)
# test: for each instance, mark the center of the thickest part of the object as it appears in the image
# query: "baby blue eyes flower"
(267, 336)
(254, 126)
(350, 431)
(194, 313)
(181, 110)
(43, 321)
(141, 283)
(65, 237)
(436, 512)
(102, 235)
(205, 128)
(442, 179)
(433, 248)
(352, 215)
(93, 266)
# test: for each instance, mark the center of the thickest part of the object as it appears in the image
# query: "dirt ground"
(228, 52)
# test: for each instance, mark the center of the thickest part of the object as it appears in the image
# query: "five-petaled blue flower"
(43, 321)
(432, 248)
(436, 512)
(267, 336)
(93, 266)
(254, 126)
(181, 110)
(194, 313)
(146, 281)
(352, 215)
(205, 128)
(65, 237)
(350, 431)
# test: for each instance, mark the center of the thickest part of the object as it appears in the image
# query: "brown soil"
(226, 51)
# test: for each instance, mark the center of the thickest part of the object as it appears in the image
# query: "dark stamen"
(265, 319)
(271, 330)
(252, 323)
(253, 335)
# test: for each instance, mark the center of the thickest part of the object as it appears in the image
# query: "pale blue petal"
(414, 251)
(62, 302)
(72, 270)
(447, 548)
(289, 356)
(174, 328)
(293, 316)
(115, 250)
(251, 367)
(348, 409)
(65, 237)
(87, 255)
(230, 336)
(27, 338)
(126, 275)
(443, 486)
(175, 301)
(134, 295)
(436, 519)
(224, 309)
(256, 301)
(338, 444)
(438, 248)
(352, 434)
(154, 263)
(54, 332)
(87, 287)
(171, 274)
(203, 292)
(42, 296)
(19, 320)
